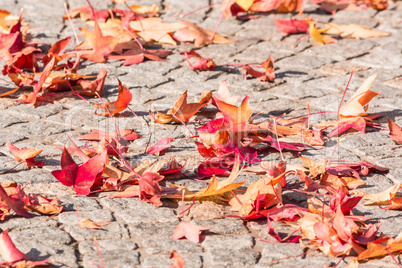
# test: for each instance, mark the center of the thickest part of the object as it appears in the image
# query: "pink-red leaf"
(158, 148)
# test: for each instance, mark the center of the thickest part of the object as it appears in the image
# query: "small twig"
(343, 257)
(309, 114)
(76, 211)
(256, 107)
(71, 23)
(277, 140)
(344, 93)
(181, 213)
(333, 152)
(220, 19)
(235, 196)
(69, 85)
(192, 134)
(135, 16)
(198, 9)
(99, 253)
(115, 125)
(139, 119)
(149, 140)
(392, 256)
(14, 167)
(136, 39)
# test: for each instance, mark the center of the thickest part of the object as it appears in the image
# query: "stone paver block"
(165, 246)
(112, 231)
(99, 215)
(232, 242)
(224, 226)
(159, 261)
(232, 258)
(70, 203)
(114, 245)
(122, 259)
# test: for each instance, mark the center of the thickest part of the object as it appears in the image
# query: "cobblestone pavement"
(140, 234)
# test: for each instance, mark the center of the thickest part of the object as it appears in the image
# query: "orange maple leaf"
(96, 45)
(123, 100)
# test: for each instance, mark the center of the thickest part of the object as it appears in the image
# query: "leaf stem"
(344, 93)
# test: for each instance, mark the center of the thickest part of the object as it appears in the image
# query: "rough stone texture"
(113, 230)
(140, 235)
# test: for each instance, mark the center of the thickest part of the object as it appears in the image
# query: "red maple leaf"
(188, 231)
(83, 177)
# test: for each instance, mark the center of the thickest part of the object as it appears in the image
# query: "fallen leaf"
(181, 111)
(201, 64)
(353, 113)
(31, 98)
(16, 204)
(25, 154)
(7, 21)
(154, 29)
(201, 37)
(353, 31)
(145, 9)
(293, 26)
(189, 231)
(138, 55)
(81, 177)
(8, 250)
(44, 206)
(86, 223)
(357, 104)
(382, 198)
(395, 131)
(224, 95)
(376, 250)
(158, 148)
(85, 13)
(98, 45)
(176, 259)
(268, 75)
(123, 100)
(98, 135)
(236, 116)
(57, 51)
(150, 189)
(317, 35)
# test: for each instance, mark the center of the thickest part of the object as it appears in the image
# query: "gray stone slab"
(8, 120)
(84, 203)
(99, 215)
(191, 260)
(228, 242)
(18, 224)
(342, 50)
(27, 111)
(113, 245)
(165, 246)
(224, 226)
(112, 231)
(307, 62)
(122, 259)
(45, 235)
(232, 258)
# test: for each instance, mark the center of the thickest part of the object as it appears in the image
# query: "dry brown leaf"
(155, 30)
(353, 31)
(382, 198)
(87, 223)
(201, 37)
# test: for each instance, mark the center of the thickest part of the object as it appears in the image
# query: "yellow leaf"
(245, 4)
(317, 35)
